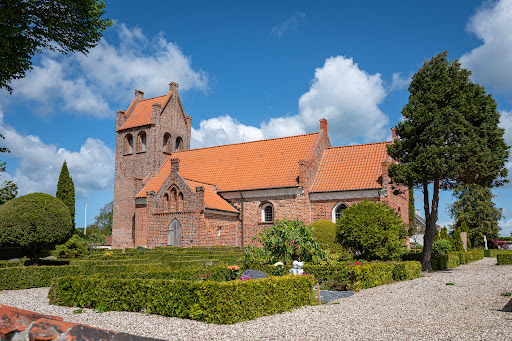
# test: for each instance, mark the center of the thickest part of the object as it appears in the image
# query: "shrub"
(34, 221)
(441, 247)
(455, 258)
(504, 258)
(212, 302)
(289, 239)
(324, 231)
(72, 248)
(372, 229)
(494, 252)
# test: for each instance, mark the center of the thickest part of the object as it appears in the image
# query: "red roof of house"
(350, 168)
(211, 199)
(254, 165)
(143, 112)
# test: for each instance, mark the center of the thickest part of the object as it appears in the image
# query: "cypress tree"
(66, 191)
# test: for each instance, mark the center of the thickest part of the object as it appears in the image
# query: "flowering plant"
(278, 269)
(233, 272)
(244, 278)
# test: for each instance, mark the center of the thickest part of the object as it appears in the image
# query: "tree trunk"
(430, 229)
(34, 252)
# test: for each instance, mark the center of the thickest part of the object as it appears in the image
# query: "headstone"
(464, 237)
(254, 274)
(50, 258)
(485, 242)
(297, 268)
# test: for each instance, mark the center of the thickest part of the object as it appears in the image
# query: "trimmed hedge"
(455, 258)
(349, 276)
(41, 276)
(504, 258)
(494, 252)
(212, 302)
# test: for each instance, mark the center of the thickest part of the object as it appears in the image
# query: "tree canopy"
(474, 206)
(449, 136)
(66, 191)
(8, 189)
(373, 230)
(28, 27)
(34, 221)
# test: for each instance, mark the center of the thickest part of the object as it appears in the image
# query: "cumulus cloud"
(490, 62)
(341, 92)
(398, 82)
(506, 123)
(288, 25)
(92, 168)
(86, 84)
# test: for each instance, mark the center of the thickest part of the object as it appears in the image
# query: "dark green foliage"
(324, 231)
(211, 302)
(8, 189)
(29, 27)
(72, 248)
(457, 240)
(441, 247)
(412, 228)
(504, 258)
(66, 191)
(34, 221)
(455, 258)
(289, 239)
(474, 206)
(373, 229)
(449, 136)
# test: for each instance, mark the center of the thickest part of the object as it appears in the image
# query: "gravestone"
(464, 237)
(254, 274)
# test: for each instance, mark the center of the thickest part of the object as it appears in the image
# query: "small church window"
(180, 202)
(142, 142)
(166, 147)
(267, 213)
(128, 144)
(337, 211)
(173, 200)
(166, 202)
(179, 143)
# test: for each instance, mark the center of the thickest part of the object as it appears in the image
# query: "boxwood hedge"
(504, 258)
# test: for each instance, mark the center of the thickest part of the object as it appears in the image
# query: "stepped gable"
(350, 168)
(211, 199)
(263, 164)
(142, 113)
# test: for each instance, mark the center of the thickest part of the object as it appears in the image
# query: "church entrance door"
(174, 234)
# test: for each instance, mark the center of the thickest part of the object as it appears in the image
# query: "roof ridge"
(147, 99)
(240, 143)
(360, 144)
(201, 182)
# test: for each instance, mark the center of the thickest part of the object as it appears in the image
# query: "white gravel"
(422, 309)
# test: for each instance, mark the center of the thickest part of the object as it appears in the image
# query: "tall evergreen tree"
(449, 136)
(66, 191)
(475, 207)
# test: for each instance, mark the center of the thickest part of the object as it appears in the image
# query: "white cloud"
(506, 123)
(506, 227)
(398, 82)
(289, 24)
(92, 168)
(341, 92)
(490, 62)
(82, 84)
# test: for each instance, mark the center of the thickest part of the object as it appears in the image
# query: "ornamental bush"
(324, 231)
(504, 258)
(441, 247)
(372, 230)
(34, 221)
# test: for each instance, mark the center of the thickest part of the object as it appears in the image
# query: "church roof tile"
(143, 112)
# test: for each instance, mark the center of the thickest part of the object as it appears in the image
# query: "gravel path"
(422, 309)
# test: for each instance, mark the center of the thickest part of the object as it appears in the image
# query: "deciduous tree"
(8, 189)
(449, 136)
(28, 27)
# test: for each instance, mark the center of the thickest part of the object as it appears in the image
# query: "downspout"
(242, 220)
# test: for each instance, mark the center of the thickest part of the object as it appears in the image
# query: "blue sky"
(246, 71)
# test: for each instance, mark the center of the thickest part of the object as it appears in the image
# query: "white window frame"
(263, 207)
(341, 203)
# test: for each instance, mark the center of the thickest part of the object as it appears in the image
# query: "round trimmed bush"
(371, 231)
(441, 247)
(324, 231)
(34, 221)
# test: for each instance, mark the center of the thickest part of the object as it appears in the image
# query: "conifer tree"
(66, 191)
(449, 136)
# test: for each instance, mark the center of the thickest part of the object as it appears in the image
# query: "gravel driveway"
(422, 309)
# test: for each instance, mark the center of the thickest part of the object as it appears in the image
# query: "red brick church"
(167, 194)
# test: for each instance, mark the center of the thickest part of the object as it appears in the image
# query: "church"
(166, 194)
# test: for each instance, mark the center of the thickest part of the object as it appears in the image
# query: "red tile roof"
(351, 168)
(211, 199)
(254, 165)
(142, 114)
